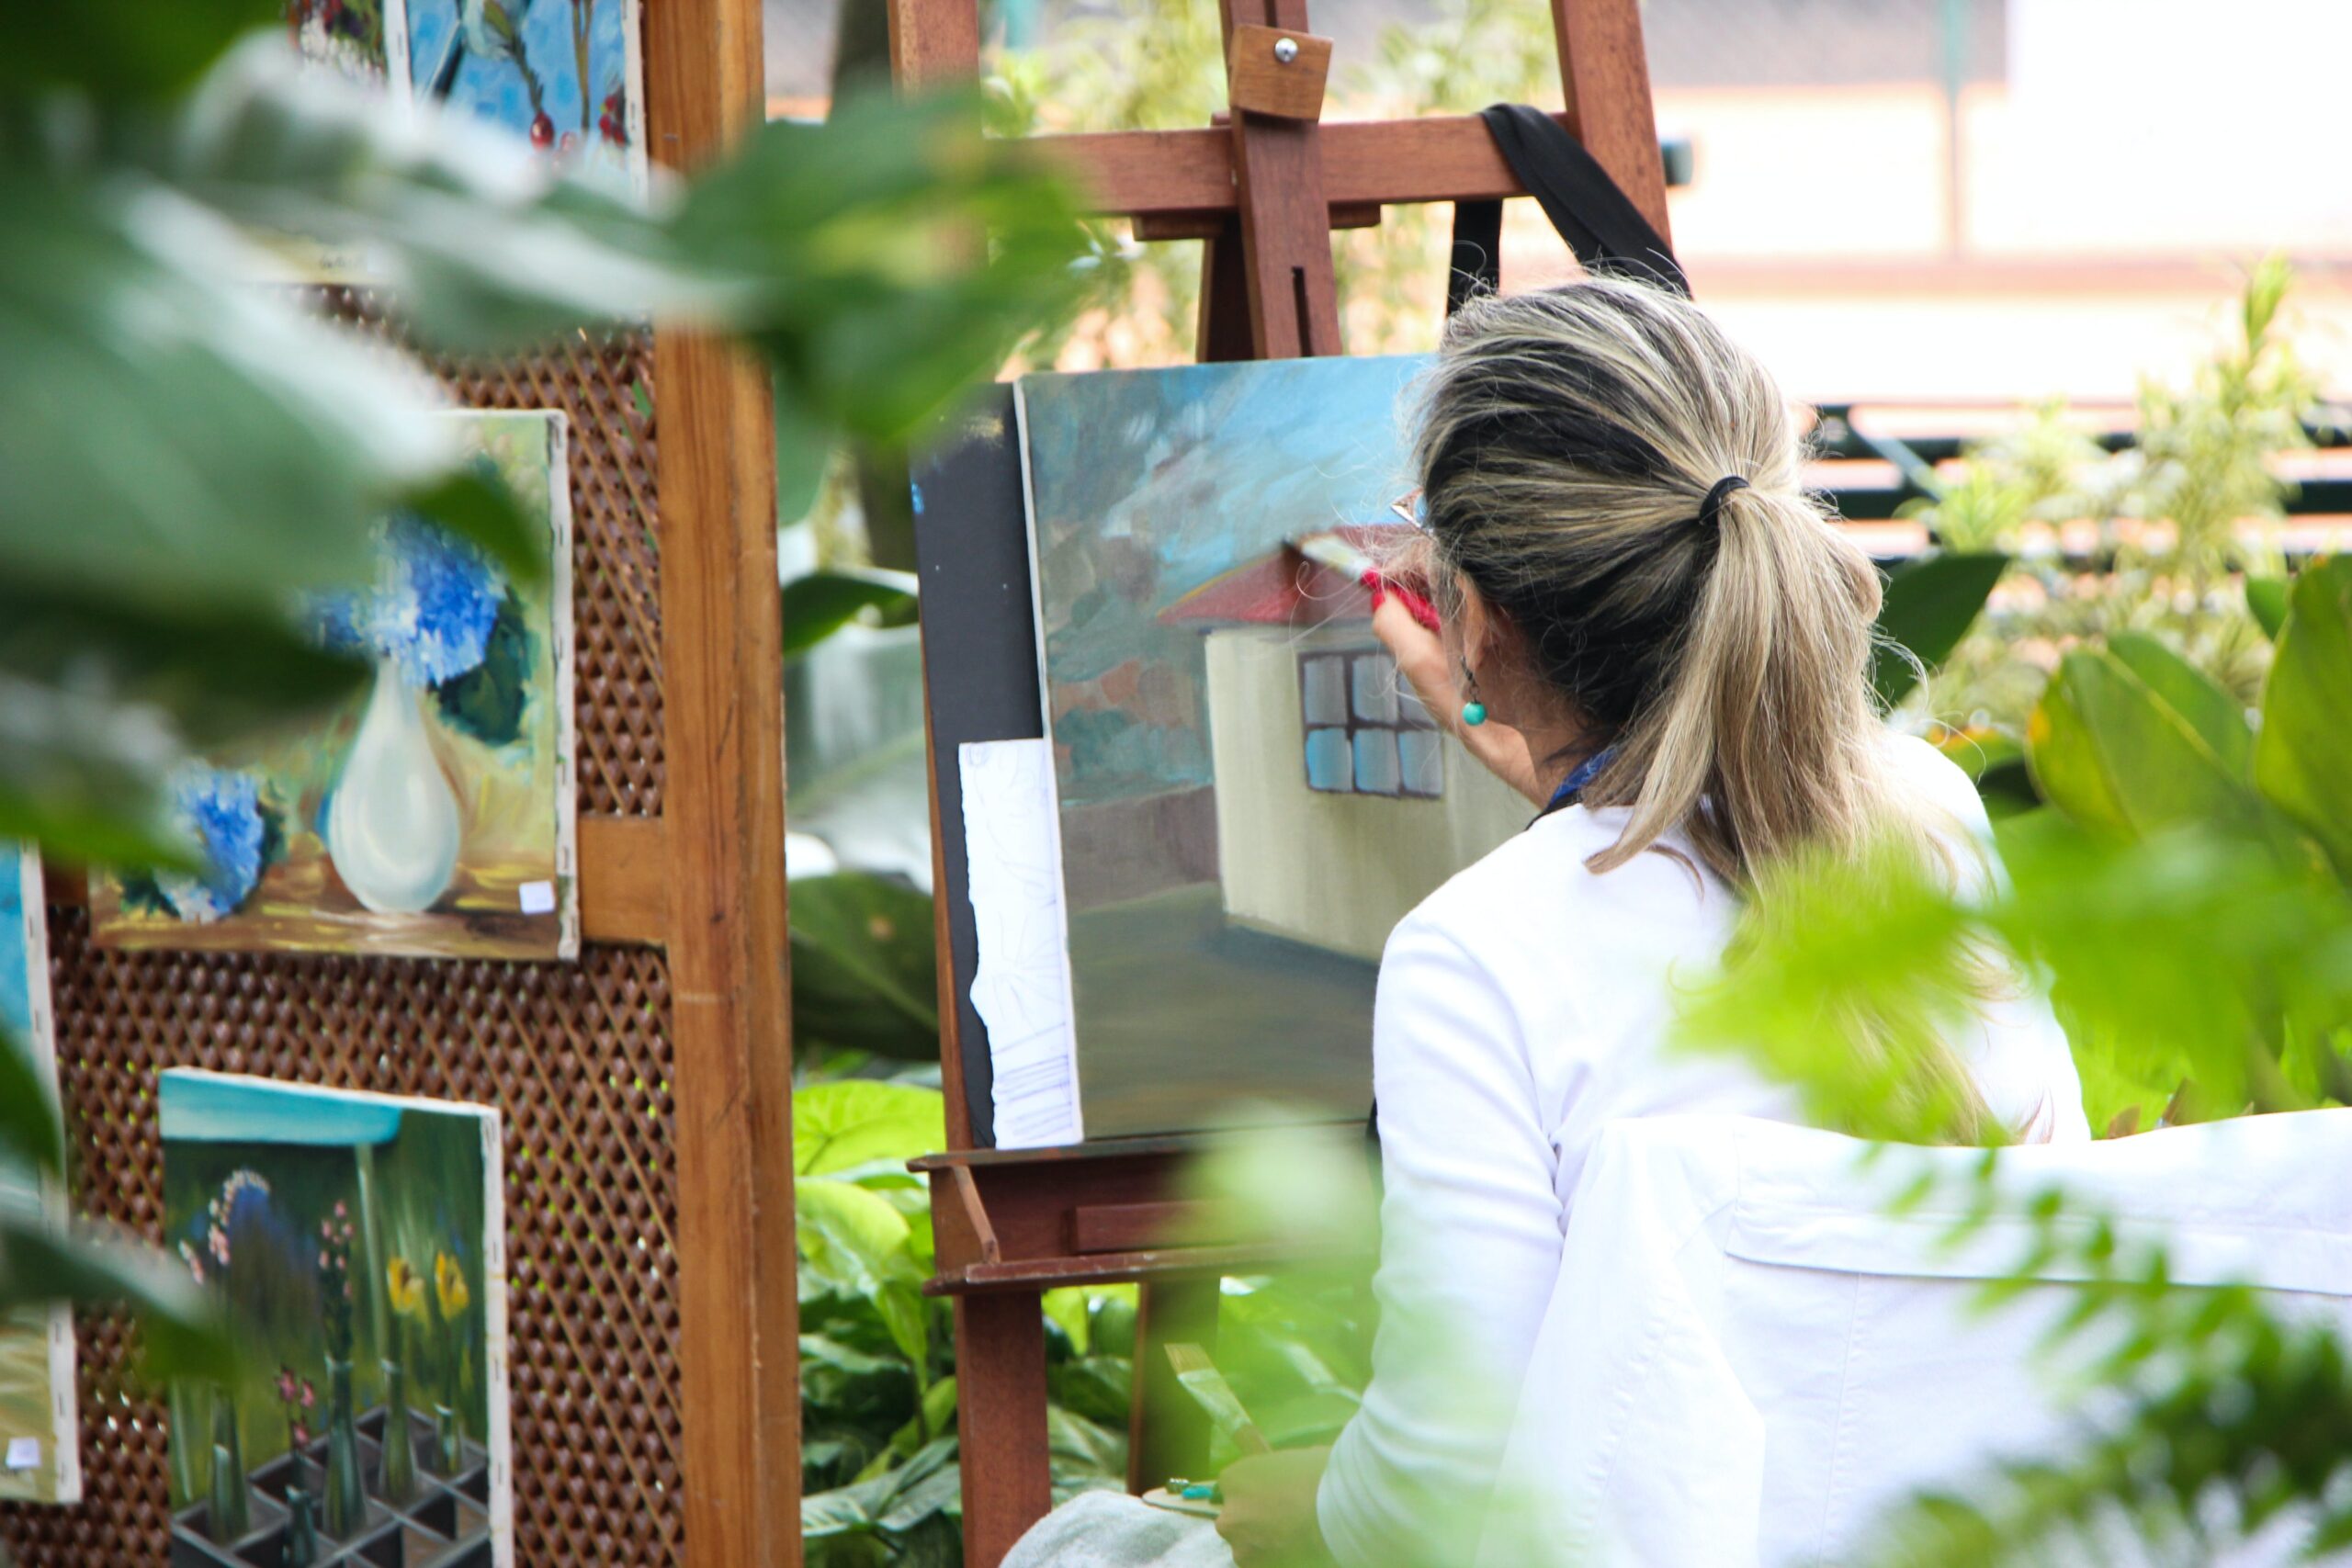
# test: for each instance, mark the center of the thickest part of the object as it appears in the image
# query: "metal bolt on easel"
(1285, 49)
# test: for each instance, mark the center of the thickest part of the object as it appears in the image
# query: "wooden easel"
(1265, 190)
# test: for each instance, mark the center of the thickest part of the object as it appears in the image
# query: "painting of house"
(1245, 800)
(1320, 748)
(40, 1423)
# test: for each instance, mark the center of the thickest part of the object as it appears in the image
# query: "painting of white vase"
(431, 815)
(392, 827)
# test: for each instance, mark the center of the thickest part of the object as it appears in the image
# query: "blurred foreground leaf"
(2304, 759)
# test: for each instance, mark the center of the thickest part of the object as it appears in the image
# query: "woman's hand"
(1269, 1516)
(1420, 657)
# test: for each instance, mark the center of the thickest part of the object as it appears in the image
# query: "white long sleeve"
(1470, 1238)
(1522, 1007)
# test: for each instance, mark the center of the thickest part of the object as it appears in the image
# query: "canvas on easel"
(1248, 796)
(39, 1427)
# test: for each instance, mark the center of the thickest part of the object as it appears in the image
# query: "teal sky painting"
(15, 970)
(1146, 484)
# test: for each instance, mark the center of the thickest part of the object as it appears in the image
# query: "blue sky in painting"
(1146, 484)
(198, 1107)
(15, 976)
(489, 86)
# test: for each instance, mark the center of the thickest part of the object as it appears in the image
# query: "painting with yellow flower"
(357, 1241)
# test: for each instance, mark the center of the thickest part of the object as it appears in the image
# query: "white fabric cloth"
(1111, 1530)
(1522, 1008)
(1746, 1358)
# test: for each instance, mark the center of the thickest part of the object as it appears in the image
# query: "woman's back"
(1522, 1007)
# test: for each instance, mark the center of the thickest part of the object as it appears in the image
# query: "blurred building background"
(1943, 200)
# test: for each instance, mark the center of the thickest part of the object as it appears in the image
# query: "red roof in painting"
(1281, 588)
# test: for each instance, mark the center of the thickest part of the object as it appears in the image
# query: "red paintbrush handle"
(1415, 605)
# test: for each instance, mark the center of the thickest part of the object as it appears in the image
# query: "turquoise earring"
(1473, 712)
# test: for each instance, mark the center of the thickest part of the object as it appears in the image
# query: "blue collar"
(1583, 774)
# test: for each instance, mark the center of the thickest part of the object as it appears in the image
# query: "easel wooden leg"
(1168, 1433)
(1223, 334)
(1001, 1417)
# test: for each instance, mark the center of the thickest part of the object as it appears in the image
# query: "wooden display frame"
(1265, 190)
(686, 1398)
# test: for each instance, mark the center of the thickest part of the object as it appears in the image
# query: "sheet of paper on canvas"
(1022, 984)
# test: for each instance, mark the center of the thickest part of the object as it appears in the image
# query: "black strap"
(1600, 222)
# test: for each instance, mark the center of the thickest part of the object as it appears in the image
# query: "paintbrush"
(1334, 551)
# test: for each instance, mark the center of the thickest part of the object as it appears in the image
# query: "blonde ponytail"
(1623, 484)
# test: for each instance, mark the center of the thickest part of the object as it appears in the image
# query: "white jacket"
(1522, 1007)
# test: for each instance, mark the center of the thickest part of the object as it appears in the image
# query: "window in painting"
(1366, 733)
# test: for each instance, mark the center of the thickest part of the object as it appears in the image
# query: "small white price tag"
(538, 897)
(24, 1453)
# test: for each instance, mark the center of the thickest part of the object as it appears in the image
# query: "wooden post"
(723, 735)
(1285, 221)
(1000, 1404)
(1607, 78)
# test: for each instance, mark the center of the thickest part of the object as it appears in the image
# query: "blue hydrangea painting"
(564, 74)
(39, 1426)
(433, 816)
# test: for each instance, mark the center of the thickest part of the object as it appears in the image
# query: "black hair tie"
(1711, 509)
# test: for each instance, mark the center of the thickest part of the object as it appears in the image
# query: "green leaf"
(44, 1263)
(1082, 1446)
(473, 502)
(2116, 758)
(862, 977)
(1928, 608)
(2302, 761)
(822, 603)
(216, 672)
(172, 436)
(2211, 712)
(32, 1130)
(84, 779)
(871, 289)
(2266, 600)
(1068, 1308)
(117, 50)
(851, 1239)
(852, 1123)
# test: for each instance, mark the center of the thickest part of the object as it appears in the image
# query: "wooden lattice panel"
(578, 1057)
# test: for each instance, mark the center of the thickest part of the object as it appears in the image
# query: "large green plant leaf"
(877, 216)
(2266, 601)
(862, 977)
(219, 671)
(1928, 608)
(32, 1130)
(2112, 754)
(2303, 758)
(122, 50)
(855, 1123)
(819, 603)
(2195, 696)
(184, 1334)
(81, 777)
